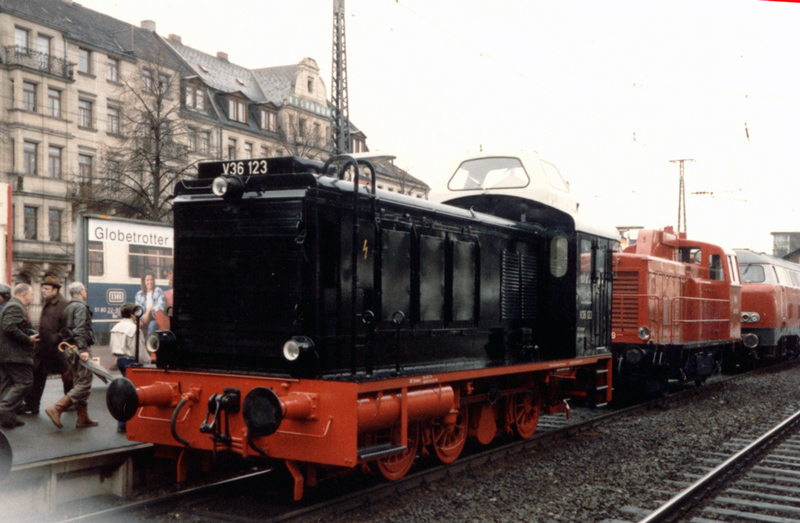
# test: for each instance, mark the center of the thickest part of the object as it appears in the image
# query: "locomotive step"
(379, 451)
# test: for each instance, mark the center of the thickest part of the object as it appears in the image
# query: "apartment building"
(70, 78)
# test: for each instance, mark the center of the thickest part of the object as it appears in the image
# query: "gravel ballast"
(591, 477)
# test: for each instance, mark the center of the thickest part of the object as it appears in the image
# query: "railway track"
(757, 479)
(266, 496)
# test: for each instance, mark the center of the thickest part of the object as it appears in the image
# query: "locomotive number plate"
(243, 167)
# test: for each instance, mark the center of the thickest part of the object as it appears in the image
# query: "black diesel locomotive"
(323, 322)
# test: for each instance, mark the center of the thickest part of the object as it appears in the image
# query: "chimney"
(222, 56)
(68, 2)
(148, 25)
(176, 38)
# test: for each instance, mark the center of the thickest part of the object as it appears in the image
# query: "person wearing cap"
(5, 295)
(77, 331)
(48, 360)
(17, 340)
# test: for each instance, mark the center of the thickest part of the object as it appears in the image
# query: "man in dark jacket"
(47, 360)
(78, 332)
(16, 355)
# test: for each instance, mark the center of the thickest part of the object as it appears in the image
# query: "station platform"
(51, 467)
(41, 440)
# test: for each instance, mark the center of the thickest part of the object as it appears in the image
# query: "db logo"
(115, 296)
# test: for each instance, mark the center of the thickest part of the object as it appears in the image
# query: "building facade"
(72, 79)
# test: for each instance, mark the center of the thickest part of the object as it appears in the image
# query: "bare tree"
(149, 153)
(304, 137)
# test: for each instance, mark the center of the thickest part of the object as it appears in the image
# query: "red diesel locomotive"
(321, 322)
(770, 307)
(676, 305)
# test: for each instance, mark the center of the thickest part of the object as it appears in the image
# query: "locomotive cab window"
(752, 273)
(558, 255)
(489, 173)
(715, 268)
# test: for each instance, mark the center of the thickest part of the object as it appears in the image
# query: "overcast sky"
(608, 91)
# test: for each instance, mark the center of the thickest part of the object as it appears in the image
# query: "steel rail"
(362, 496)
(687, 497)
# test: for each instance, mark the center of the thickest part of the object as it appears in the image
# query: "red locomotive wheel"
(449, 439)
(397, 465)
(524, 409)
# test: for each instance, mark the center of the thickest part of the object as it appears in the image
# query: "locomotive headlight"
(751, 317)
(297, 347)
(644, 333)
(161, 340)
(228, 187)
(291, 350)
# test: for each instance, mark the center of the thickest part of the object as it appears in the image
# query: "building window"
(150, 85)
(54, 224)
(96, 259)
(237, 110)
(29, 151)
(84, 168)
(192, 138)
(195, 98)
(147, 79)
(113, 175)
(113, 120)
(112, 70)
(43, 45)
(231, 149)
(54, 162)
(29, 96)
(248, 150)
(21, 39)
(264, 151)
(205, 142)
(310, 84)
(85, 109)
(31, 222)
(84, 61)
(54, 102)
(302, 127)
(269, 120)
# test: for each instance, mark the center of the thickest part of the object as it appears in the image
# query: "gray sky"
(608, 91)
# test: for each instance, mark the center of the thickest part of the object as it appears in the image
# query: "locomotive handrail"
(715, 314)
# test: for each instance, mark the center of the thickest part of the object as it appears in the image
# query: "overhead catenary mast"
(681, 196)
(340, 126)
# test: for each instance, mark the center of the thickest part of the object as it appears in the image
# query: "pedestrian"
(78, 332)
(48, 360)
(123, 345)
(17, 340)
(151, 299)
(5, 295)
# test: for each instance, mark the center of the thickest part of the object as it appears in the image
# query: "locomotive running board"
(379, 451)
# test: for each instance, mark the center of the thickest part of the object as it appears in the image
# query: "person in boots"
(17, 341)
(48, 359)
(78, 332)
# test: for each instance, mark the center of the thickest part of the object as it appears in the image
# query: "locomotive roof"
(748, 256)
(294, 165)
(516, 174)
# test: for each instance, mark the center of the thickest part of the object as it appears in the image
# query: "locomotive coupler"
(227, 402)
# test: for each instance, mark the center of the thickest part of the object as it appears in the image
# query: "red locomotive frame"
(676, 305)
(347, 424)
